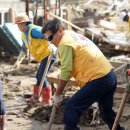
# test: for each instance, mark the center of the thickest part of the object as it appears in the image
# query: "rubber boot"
(35, 92)
(46, 95)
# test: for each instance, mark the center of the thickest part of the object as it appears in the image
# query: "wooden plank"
(114, 48)
(54, 79)
(107, 25)
(67, 22)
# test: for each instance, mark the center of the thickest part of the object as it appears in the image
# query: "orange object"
(35, 91)
(128, 72)
(46, 95)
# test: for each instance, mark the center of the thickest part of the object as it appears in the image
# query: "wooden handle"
(116, 122)
(44, 75)
(51, 118)
(67, 22)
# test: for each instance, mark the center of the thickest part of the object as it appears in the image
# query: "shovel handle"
(122, 104)
(52, 117)
(44, 75)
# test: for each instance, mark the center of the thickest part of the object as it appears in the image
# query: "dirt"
(18, 84)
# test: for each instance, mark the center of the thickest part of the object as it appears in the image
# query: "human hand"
(57, 99)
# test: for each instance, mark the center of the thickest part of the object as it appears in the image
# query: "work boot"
(2, 123)
(70, 128)
(35, 92)
(46, 95)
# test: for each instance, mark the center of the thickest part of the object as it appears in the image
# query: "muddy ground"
(18, 84)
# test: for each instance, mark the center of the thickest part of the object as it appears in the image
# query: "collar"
(27, 28)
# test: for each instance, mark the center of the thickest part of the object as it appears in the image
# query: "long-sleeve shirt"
(66, 62)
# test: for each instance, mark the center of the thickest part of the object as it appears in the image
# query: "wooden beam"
(67, 22)
(54, 79)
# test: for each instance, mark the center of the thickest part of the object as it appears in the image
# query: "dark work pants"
(2, 108)
(42, 67)
(100, 90)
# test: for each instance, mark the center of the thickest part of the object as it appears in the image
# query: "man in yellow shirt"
(83, 60)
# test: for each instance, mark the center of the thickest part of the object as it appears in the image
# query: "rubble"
(99, 21)
(90, 117)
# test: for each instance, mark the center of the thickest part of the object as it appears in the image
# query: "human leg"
(106, 102)
(39, 77)
(90, 93)
(79, 102)
(107, 113)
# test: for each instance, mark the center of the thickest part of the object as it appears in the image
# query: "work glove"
(17, 65)
(19, 60)
(57, 99)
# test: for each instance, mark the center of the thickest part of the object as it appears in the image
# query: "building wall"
(17, 5)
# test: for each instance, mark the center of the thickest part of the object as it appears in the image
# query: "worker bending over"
(83, 60)
(40, 49)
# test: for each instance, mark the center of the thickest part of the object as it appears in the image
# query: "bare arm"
(60, 87)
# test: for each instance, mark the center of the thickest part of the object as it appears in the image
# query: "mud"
(17, 86)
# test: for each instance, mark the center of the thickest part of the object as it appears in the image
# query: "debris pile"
(89, 117)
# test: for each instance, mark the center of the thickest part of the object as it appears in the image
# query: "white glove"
(57, 99)
(19, 60)
(17, 65)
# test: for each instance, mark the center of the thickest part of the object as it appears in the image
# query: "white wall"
(15, 4)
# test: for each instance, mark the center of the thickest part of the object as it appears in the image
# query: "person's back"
(88, 54)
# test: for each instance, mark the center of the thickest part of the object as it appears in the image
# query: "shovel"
(36, 100)
(52, 117)
(122, 104)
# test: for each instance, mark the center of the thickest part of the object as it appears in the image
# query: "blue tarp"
(10, 38)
